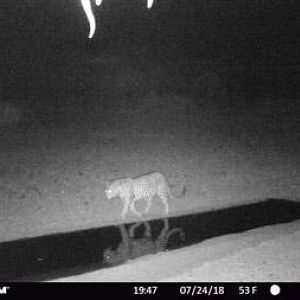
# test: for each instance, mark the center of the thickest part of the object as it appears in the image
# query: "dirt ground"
(53, 176)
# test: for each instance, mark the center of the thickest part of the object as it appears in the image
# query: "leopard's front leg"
(125, 208)
(164, 200)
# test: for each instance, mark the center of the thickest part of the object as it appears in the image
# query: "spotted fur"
(144, 187)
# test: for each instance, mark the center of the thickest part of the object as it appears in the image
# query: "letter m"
(3, 290)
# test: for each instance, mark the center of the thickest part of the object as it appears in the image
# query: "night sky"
(44, 42)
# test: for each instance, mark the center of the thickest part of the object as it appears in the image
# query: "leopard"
(145, 186)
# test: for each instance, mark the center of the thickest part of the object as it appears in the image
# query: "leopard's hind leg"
(162, 238)
(164, 200)
(125, 208)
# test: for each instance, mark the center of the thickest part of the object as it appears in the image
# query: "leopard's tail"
(183, 190)
(180, 195)
(173, 231)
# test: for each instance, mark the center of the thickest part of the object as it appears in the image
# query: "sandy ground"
(52, 178)
(269, 253)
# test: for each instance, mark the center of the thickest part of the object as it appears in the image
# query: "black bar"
(187, 290)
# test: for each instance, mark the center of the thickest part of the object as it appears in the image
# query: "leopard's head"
(111, 192)
(110, 189)
(111, 257)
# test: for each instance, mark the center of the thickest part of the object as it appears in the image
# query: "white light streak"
(86, 4)
(87, 7)
(149, 3)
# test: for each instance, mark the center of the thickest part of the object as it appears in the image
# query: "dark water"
(66, 254)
